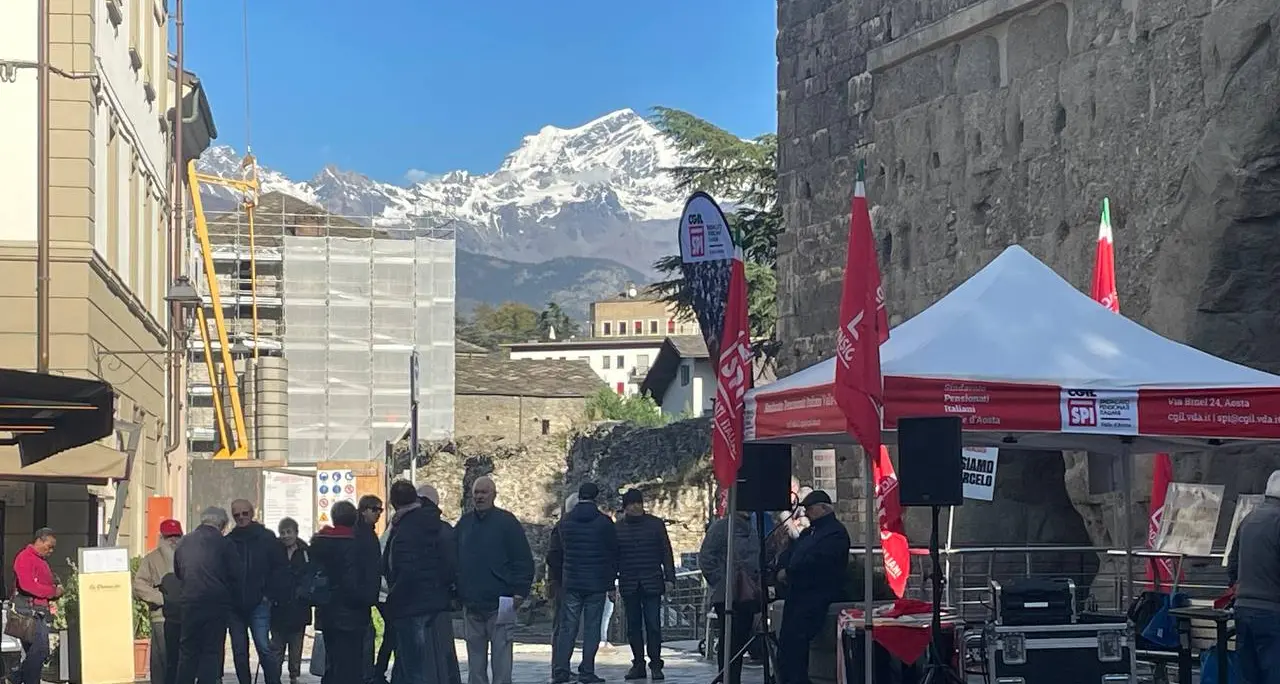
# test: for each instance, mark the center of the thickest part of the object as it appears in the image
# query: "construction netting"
(356, 308)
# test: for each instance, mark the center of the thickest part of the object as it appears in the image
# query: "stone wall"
(517, 419)
(993, 122)
(670, 464)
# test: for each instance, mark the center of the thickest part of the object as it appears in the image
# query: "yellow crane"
(239, 448)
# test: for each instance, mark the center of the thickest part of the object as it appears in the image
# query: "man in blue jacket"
(590, 549)
(494, 563)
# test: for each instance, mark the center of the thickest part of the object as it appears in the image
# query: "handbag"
(745, 588)
(20, 626)
(317, 666)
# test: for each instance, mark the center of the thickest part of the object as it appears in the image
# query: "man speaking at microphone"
(813, 568)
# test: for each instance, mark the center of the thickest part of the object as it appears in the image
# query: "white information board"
(1190, 519)
(1245, 503)
(824, 471)
(289, 495)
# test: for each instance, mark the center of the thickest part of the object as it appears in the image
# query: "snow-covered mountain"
(597, 191)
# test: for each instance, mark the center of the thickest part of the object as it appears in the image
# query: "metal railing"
(685, 608)
(1099, 574)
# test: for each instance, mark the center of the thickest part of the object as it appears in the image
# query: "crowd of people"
(262, 588)
(249, 585)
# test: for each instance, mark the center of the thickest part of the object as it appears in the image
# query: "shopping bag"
(1209, 667)
(1162, 630)
(317, 656)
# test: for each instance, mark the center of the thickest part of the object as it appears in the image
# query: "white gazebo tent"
(1028, 361)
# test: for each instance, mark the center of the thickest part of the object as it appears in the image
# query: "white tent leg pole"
(730, 579)
(873, 533)
(1126, 522)
(951, 528)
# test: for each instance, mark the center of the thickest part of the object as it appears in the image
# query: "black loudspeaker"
(764, 480)
(930, 461)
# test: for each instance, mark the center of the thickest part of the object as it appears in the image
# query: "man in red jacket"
(34, 587)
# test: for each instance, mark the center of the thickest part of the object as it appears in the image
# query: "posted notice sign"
(979, 474)
(1190, 519)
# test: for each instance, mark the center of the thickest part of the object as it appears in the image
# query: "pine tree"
(738, 172)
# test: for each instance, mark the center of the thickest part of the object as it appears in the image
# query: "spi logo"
(697, 240)
(1082, 408)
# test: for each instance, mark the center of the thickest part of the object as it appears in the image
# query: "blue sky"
(436, 85)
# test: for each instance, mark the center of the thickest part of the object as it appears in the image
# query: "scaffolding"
(345, 305)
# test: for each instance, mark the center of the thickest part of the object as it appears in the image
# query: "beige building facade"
(638, 313)
(109, 179)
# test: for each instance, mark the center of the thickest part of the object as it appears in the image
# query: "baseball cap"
(429, 493)
(632, 496)
(588, 492)
(815, 497)
(170, 528)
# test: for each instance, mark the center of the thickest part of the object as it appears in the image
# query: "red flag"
(1105, 293)
(893, 539)
(864, 326)
(1161, 476)
(859, 386)
(733, 378)
(1104, 264)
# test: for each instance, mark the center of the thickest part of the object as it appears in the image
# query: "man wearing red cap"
(149, 585)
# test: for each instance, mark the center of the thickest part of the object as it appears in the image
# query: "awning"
(50, 426)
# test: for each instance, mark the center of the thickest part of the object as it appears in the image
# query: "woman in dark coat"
(289, 619)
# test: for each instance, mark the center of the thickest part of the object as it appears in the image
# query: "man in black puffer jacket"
(645, 566)
(208, 574)
(590, 548)
(421, 566)
(350, 567)
(266, 581)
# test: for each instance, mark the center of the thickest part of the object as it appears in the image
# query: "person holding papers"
(495, 572)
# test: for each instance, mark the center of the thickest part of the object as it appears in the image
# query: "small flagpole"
(730, 579)
(872, 532)
(868, 647)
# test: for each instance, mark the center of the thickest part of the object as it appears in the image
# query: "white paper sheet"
(506, 610)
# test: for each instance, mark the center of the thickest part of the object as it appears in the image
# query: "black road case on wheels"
(1099, 652)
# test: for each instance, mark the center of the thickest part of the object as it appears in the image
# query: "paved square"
(533, 665)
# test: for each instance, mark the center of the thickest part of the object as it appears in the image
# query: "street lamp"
(183, 294)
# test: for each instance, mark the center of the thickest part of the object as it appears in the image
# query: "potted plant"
(65, 639)
(141, 630)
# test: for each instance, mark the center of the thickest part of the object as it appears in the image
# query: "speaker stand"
(939, 669)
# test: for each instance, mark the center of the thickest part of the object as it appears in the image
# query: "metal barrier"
(1098, 571)
(968, 572)
(685, 608)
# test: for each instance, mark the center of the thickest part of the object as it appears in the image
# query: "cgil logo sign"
(1100, 411)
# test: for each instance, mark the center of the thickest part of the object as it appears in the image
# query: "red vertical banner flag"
(733, 379)
(1105, 292)
(859, 386)
(893, 538)
(1161, 476)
